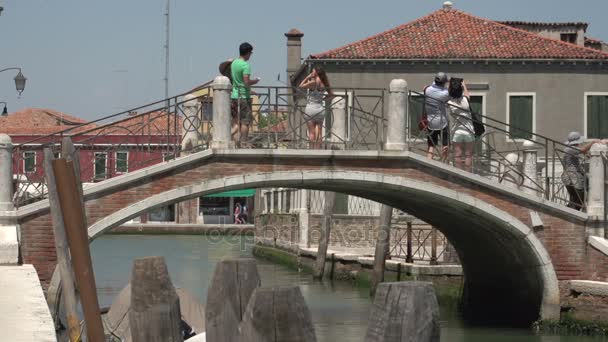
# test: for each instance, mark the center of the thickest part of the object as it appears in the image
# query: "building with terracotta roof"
(526, 74)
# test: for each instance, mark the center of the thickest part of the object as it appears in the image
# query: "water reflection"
(339, 311)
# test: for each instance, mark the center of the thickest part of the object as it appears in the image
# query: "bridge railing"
(505, 153)
(165, 129)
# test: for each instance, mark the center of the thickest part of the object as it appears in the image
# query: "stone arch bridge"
(512, 261)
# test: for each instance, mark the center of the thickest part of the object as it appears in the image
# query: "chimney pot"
(448, 5)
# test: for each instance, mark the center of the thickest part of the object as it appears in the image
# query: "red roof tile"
(453, 34)
(36, 121)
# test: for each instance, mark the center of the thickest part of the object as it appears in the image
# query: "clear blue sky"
(94, 58)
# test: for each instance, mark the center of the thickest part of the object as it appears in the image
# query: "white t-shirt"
(460, 111)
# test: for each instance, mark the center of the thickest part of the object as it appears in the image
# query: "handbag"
(423, 124)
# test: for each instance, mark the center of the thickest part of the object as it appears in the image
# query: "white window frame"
(25, 158)
(105, 165)
(508, 121)
(585, 95)
(116, 162)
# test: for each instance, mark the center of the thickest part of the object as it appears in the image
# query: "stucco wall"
(559, 88)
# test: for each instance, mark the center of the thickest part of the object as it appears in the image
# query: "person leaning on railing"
(464, 133)
(242, 115)
(573, 176)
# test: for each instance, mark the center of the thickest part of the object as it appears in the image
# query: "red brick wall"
(564, 240)
(596, 265)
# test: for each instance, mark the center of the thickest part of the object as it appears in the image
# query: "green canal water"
(339, 310)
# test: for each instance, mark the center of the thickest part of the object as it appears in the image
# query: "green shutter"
(100, 165)
(521, 116)
(597, 116)
(416, 104)
(235, 193)
(341, 204)
(30, 161)
(122, 162)
(476, 103)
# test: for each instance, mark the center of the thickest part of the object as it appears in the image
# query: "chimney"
(294, 51)
(447, 6)
(133, 113)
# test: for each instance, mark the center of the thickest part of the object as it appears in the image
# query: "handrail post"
(595, 203)
(338, 123)
(222, 138)
(409, 258)
(397, 101)
(433, 246)
(6, 173)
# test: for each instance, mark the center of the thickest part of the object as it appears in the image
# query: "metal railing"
(414, 240)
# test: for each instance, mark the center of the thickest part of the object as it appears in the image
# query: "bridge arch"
(508, 272)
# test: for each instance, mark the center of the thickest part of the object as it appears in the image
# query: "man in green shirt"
(241, 93)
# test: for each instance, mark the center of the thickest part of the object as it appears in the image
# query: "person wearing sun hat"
(573, 176)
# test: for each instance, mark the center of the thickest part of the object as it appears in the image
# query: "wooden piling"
(404, 312)
(277, 314)
(155, 313)
(382, 246)
(328, 209)
(234, 280)
(78, 241)
(67, 291)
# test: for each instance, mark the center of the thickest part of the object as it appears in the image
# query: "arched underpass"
(509, 275)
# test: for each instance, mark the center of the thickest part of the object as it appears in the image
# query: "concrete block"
(23, 308)
(589, 287)
(9, 245)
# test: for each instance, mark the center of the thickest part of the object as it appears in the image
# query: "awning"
(235, 193)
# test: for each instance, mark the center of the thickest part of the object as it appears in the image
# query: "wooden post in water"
(328, 209)
(382, 246)
(404, 312)
(155, 313)
(234, 280)
(73, 216)
(277, 314)
(66, 289)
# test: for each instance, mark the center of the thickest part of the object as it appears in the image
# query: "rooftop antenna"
(167, 51)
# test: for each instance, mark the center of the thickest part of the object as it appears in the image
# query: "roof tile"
(453, 34)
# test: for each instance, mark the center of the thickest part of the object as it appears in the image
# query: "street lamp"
(4, 111)
(19, 80)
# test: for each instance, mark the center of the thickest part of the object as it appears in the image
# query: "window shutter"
(597, 116)
(520, 116)
(415, 114)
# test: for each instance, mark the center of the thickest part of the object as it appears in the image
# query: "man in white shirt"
(436, 97)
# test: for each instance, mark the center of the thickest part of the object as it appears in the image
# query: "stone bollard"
(338, 123)
(404, 312)
(382, 246)
(234, 281)
(509, 173)
(155, 315)
(9, 243)
(192, 123)
(222, 118)
(6, 173)
(397, 104)
(595, 198)
(277, 314)
(530, 184)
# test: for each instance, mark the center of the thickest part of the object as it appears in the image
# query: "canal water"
(339, 310)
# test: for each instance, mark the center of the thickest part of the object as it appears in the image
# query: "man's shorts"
(241, 111)
(463, 137)
(432, 138)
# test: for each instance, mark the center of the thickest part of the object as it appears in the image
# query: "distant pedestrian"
(242, 116)
(317, 85)
(237, 213)
(436, 97)
(464, 132)
(573, 176)
(244, 213)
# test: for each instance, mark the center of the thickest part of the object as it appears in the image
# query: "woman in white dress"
(317, 85)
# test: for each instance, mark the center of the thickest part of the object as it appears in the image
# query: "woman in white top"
(464, 133)
(317, 84)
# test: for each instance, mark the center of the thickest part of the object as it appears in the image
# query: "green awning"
(235, 193)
